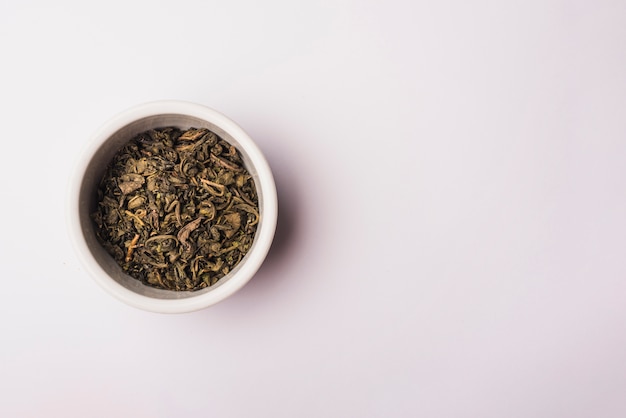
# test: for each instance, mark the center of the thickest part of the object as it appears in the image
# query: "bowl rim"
(255, 256)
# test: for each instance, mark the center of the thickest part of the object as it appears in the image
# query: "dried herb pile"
(177, 209)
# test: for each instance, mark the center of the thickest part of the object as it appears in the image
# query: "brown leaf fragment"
(233, 220)
(131, 182)
(186, 230)
(192, 134)
(224, 163)
(131, 247)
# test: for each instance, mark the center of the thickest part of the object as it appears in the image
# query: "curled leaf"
(185, 231)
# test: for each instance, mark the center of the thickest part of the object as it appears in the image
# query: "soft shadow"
(287, 228)
(288, 205)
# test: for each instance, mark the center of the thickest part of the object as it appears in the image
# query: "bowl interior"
(96, 169)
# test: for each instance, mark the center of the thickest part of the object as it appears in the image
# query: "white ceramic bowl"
(90, 169)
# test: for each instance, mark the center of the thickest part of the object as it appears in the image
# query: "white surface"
(451, 181)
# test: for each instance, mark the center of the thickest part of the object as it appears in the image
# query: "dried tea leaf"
(234, 222)
(186, 230)
(192, 134)
(136, 201)
(177, 209)
(130, 186)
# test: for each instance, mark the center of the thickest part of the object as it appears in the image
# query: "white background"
(452, 231)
